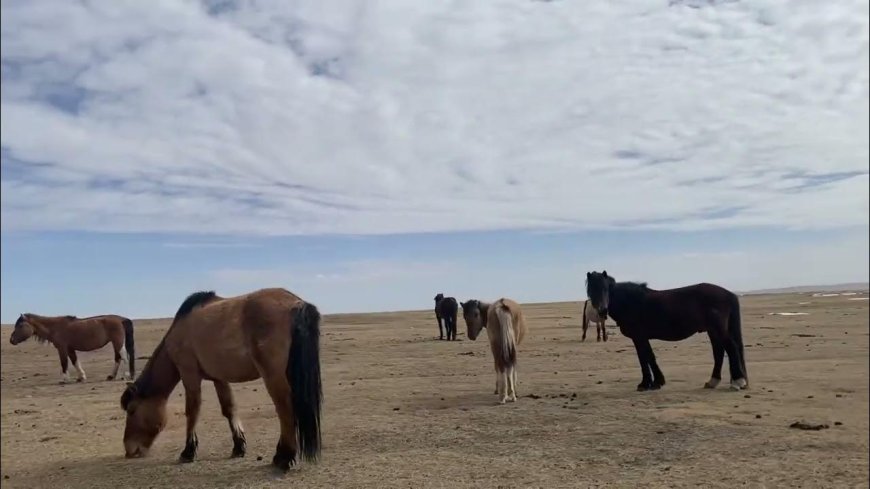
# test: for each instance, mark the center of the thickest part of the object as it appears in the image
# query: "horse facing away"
(505, 326)
(446, 309)
(270, 334)
(70, 334)
(644, 314)
(591, 314)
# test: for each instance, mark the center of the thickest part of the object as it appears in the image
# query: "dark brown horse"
(270, 334)
(644, 314)
(447, 310)
(70, 334)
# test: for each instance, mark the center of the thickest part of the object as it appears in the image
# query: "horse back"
(518, 320)
(680, 312)
(447, 307)
(226, 338)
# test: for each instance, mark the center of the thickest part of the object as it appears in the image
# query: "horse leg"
(585, 326)
(192, 403)
(440, 329)
(718, 356)
(228, 409)
(279, 391)
(597, 330)
(738, 379)
(504, 379)
(603, 331)
(646, 380)
(658, 376)
(512, 378)
(63, 353)
(75, 361)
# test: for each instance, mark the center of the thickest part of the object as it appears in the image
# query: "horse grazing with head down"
(505, 326)
(644, 314)
(590, 314)
(446, 309)
(270, 334)
(70, 334)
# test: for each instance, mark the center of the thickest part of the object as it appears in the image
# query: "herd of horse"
(275, 335)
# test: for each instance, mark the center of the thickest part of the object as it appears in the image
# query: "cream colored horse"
(505, 327)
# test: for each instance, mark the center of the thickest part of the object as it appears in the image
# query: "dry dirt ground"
(403, 409)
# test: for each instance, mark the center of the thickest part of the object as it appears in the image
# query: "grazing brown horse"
(446, 310)
(270, 334)
(70, 334)
(644, 314)
(505, 326)
(591, 314)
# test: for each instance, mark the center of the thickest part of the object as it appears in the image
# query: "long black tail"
(585, 319)
(736, 330)
(130, 346)
(303, 373)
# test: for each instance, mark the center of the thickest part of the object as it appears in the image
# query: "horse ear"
(604, 273)
(588, 275)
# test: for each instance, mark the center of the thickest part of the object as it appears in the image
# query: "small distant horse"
(644, 314)
(591, 314)
(70, 334)
(270, 334)
(446, 309)
(505, 326)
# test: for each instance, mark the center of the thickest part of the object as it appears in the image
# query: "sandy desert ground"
(403, 409)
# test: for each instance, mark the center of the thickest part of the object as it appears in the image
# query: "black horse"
(447, 309)
(644, 314)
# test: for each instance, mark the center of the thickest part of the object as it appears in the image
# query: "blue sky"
(145, 275)
(368, 155)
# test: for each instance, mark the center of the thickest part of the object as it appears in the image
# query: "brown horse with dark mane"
(270, 334)
(644, 314)
(70, 334)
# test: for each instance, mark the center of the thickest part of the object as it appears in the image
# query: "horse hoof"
(80, 380)
(238, 453)
(282, 463)
(185, 458)
(109, 377)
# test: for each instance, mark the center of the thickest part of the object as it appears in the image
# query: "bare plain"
(403, 409)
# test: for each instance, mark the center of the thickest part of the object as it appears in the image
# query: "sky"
(368, 155)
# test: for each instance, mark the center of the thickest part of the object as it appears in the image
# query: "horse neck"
(45, 326)
(484, 312)
(160, 375)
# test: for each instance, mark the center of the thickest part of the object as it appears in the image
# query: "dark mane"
(142, 386)
(629, 291)
(70, 318)
(192, 301)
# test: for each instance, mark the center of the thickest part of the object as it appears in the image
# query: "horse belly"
(229, 366)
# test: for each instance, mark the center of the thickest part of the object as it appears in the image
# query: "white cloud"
(268, 117)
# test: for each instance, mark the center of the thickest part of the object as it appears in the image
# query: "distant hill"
(800, 289)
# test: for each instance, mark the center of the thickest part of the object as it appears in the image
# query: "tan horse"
(505, 327)
(591, 314)
(70, 334)
(270, 334)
